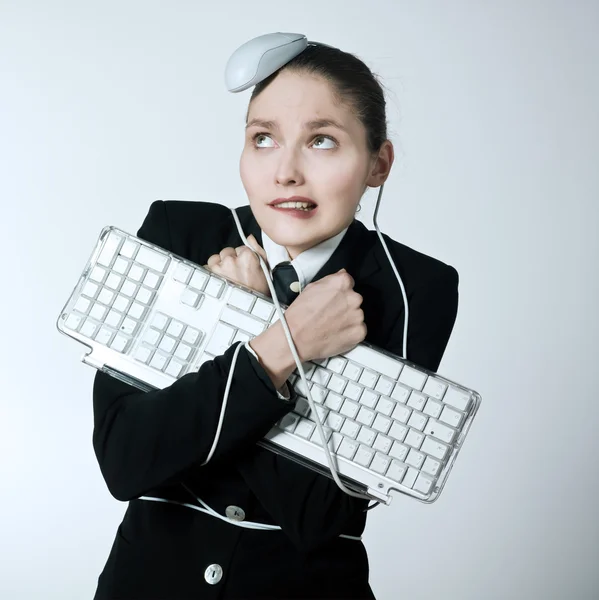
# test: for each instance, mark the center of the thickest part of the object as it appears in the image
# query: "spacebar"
(374, 360)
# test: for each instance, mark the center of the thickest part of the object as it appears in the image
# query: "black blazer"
(148, 443)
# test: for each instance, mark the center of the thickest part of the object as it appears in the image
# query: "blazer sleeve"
(309, 507)
(146, 439)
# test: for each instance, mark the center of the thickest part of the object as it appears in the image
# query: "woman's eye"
(320, 137)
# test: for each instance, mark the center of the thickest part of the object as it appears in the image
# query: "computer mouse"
(261, 57)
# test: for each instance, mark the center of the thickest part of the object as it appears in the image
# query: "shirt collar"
(306, 264)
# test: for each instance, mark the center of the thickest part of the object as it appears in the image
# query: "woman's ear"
(381, 165)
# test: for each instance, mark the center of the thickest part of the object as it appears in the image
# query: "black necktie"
(286, 282)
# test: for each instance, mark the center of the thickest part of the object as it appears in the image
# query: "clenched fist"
(241, 265)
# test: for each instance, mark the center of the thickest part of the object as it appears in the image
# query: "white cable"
(210, 511)
(328, 455)
(403, 289)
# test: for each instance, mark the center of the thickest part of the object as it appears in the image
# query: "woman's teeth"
(296, 205)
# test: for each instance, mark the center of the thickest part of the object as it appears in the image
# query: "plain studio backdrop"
(107, 106)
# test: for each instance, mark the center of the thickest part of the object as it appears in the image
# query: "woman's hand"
(241, 265)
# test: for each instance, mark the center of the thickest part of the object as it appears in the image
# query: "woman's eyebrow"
(314, 124)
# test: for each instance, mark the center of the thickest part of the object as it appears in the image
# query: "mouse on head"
(259, 58)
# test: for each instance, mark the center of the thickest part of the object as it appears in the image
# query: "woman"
(149, 444)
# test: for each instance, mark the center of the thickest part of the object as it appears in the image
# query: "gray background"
(106, 106)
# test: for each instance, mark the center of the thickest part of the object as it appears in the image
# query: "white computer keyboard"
(150, 317)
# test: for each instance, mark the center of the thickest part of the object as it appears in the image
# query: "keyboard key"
(434, 388)
(109, 249)
(191, 336)
(152, 259)
(417, 400)
(365, 416)
(143, 354)
(121, 303)
(382, 443)
(241, 299)
(215, 287)
(457, 398)
(321, 376)
(113, 318)
(451, 417)
(98, 274)
(174, 368)
(90, 289)
(199, 280)
(144, 295)
(175, 328)
(114, 281)
(103, 336)
(367, 436)
(415, 458)
(401, 413)
(396, 471)
(152, 280)
(440, 431)
(159, 321)
(182, 273)
(368, 378)
(399, 451)
(89, 328)
(417, 420)
(364, 456)
(183, 351)
(350, 409)
(318, 393)
(334, 421)
(129, 289)
(350, 428)
(105, 296)
(385, 406)
(137, 310)
(414, 439)
(412, 378)
(400, 393)
(242, 321)
(423, 484)
(158, 361)
(242, 337)
(289, 421)
(128, 326)
(375, 360)
(381, 423)
(98, 311)
(369, 398)
(129, 248)
(432, 408)
(380, 463)
(352, 371)
(398, 431)
(73, 321)
(82, 305)
(262, 309)
(119, 343)
(152, 336)
(336, 364)
(316, 435)
(302, 407)
(190, 298)
(347, 448)
(434, 448)
(410, 477)
(334, 401)
(121, 266)
(136, 273)
(431, 466)
(384, 386)
(220, 340)
(304, 429)
(167, 344)
(353, 391)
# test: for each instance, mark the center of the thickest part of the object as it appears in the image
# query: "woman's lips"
(296, 212)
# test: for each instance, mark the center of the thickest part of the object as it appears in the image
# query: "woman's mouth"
(296, 209)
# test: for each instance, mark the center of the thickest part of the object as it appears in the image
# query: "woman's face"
(288, 156)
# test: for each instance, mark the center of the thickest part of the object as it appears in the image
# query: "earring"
(358, 208)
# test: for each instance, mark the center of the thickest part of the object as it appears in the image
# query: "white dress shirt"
(306, 265)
